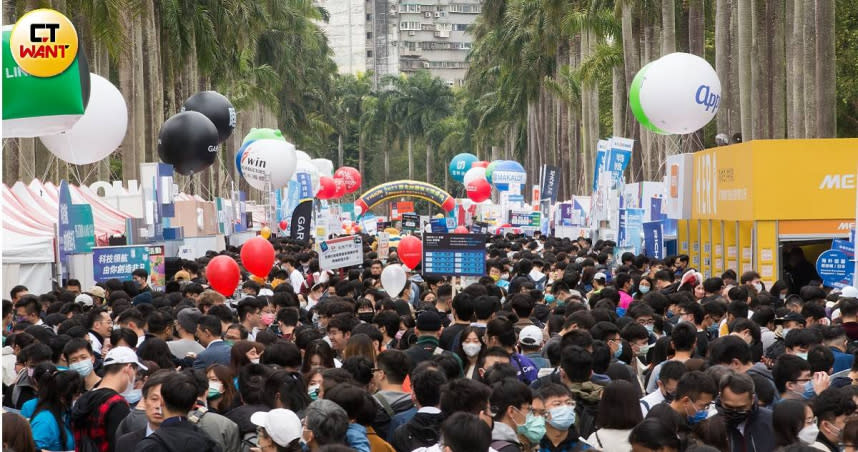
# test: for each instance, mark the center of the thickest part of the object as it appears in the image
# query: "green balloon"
(635, 101)
(491, 169)
(263, 134)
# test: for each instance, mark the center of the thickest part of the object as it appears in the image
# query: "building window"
(409, 25)
(460, 27)
(369, 53)
(369, 35)
(409, 8)
(369, 17)
(465, 8)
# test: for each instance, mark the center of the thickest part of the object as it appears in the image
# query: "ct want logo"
(43, 43)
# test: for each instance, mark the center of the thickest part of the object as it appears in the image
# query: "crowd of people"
(561, 346)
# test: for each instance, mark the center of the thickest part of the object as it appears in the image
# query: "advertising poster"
(341, 252)
(120, 261)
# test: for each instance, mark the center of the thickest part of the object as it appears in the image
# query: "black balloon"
(217, 108)
(189, 142)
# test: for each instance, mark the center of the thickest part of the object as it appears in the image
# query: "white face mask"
(472, 349)
(758, 287)
(808, 434)
(254, 361)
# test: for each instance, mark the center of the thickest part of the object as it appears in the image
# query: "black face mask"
(668, 396)
(366, 316)
(732, 416)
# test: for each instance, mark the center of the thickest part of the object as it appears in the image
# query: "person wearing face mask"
(749, 426)
(789, 322)
(515, 425)
(752, 281)
(793, 422)
(832, 408)
(97, 413)
(668, 380)
(79, 356)
(140, 277)
(555, 403)
(471, 350)
(617, 417)
(694, 394)
(683, 339)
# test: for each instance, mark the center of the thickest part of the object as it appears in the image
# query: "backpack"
(84, 442)
(585, 418)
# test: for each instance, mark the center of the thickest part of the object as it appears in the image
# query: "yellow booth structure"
(752, 202)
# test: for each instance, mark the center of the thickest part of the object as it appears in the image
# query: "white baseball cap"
(600, 276)
(283, 426)
(123, 355)
(266, 292)
(849, 292)
(530, 335)
(83, 299)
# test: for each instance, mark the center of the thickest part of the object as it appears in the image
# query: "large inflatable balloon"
(304, 166)
(99, 132)
(325, 167)
(507, 173)
(491, 169)
(479, 190)
(268, 161)
(223, 274)
(350, 176)
(679, 93)
(303, 156)
(460, 164)
(393, 280)
(400, 188)
(480, 164)
(253, 135)
(477, 172)
(327, 188)
(340, 188)
(189, 142)
(38, 106)
(257, 256)
(410, 251)
(217, 108)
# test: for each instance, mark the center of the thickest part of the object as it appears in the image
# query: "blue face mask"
(802, 356)
(670, 314)
(643, 289)
(549, 299)
(533, 428)
(808, 391)
(698, 416)
(712, 329)
(562, 417)
(650, 328)
(619, 351)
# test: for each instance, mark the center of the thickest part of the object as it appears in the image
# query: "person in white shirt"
(295, 276)
(669, 377)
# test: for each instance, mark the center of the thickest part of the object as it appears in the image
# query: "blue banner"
(630, 228)
(439, 225)
(654, 239)
(836, 266)
(655, 212)
(119, 262)
(601, 157)
(618, 158)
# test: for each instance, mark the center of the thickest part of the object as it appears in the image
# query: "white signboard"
(383, 249)
(341, 252)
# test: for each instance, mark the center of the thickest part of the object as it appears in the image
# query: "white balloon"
(100, 130)
(268, 161)
(475, 173)
(302, 156)
(680, 93)
(325, 167)
(307, 167)
(393, 280)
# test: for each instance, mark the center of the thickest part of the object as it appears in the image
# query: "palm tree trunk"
(778, 69)
(428, 163)
(797, 73)
(826, 113)
(386, 162)
(339, 150)
(810, 58)
(11, 161)
(760, 61)
(360, 153)
(668, 21)
(722, 63)
(410, 157)
(745, 86)
(129, 148)
(696, 28)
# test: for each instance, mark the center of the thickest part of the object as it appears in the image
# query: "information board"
(410, 222)
(119, 261)
(340, 252)
(454, 254)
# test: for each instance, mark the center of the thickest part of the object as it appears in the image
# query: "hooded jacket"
(97, 415)
(177, 435)
(422, 430)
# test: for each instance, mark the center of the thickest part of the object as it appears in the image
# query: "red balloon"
(479, 190)
(350, 176)
(461, 230)
(410, 251)
(341, 188)
(257, 256)
(283, 225)
(480, 164)
(327, 188)
(223, 275)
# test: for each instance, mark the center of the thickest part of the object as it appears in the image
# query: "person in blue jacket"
(50, 420)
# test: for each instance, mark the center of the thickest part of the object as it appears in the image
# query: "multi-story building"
(393, 36)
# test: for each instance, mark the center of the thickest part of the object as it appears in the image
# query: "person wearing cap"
(428, 331)
(186, 327)
(177, 433)
(599, 281)
(85, 301)
(788, 322)
(97, 413)
(530, 342)
(98, 295)
(279, 430)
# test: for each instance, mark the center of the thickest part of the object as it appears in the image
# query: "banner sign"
(369, 223)
(480, 228)
(439, 225)
(341, 252)
(655, 211)
(654, 239)
(410, 222)
(417, 189)
(619, 158)
(524, 219)
(119, 262)
(550, 182)
(77, 230)
(630, 226)
(157, 268)
(454, 254)
(836, 267)
(301, 218)
(601, 157)
(383, 248)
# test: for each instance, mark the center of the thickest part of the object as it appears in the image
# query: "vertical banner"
(618, 158)
(654, 239)
(550, 182)
(301, 218)
(76, 230)
(602, 149)
(630, 228)
(157, 268)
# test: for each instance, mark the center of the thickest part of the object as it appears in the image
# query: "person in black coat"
(177, 433)
(749, 426)
(424, 429)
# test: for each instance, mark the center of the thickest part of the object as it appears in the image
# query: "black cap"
(791, 317)
(428, 321)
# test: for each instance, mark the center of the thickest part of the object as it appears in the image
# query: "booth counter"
(752, 202)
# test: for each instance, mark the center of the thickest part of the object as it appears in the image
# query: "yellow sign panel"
(682, 236)
(717, 248)
(731, 246)
(694, 242)
(705, 248)
(776, 180)
(746, 247)
(767, 252)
